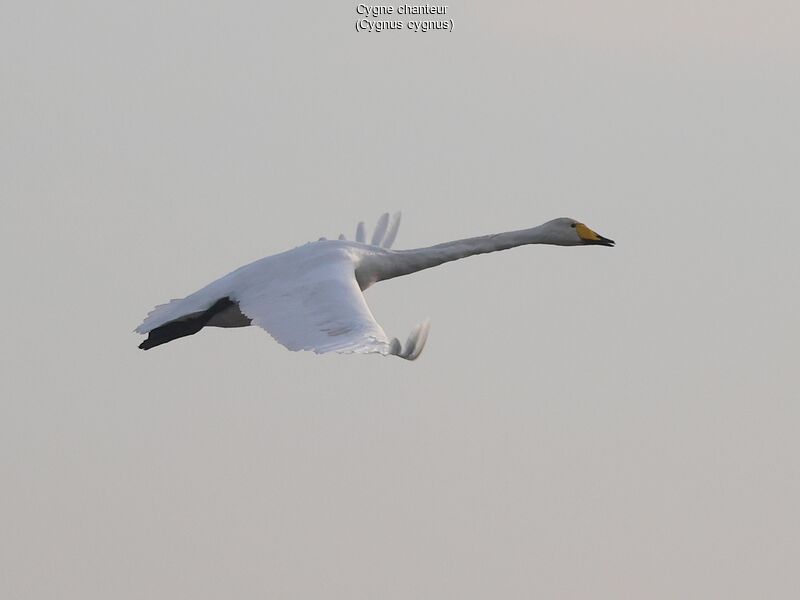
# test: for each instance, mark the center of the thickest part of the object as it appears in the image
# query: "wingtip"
(391, 230)
(380, 230)
(416, 341)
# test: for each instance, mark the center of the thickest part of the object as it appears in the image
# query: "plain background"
(584, 423)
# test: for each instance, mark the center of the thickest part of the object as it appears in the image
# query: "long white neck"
(404, 262)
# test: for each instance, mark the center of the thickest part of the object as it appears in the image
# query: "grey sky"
(584, 422)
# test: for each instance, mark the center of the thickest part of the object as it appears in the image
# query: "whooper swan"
(309, 298)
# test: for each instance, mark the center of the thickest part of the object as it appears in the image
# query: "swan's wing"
(384, 234)
(321, 310)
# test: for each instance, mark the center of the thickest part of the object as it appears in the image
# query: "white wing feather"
(384, 234)
(321, 309)
(380, 229)
(391, 234)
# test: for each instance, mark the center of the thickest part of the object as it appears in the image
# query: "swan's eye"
(573, 225)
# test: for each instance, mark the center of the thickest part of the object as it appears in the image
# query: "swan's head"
(569, 232)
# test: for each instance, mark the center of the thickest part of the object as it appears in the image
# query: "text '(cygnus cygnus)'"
(310, 298)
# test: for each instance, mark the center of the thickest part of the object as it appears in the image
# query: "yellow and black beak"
(589, 237)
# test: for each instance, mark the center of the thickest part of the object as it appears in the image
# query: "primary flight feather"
(310, 298)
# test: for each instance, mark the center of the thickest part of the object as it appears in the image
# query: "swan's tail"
(188, 325)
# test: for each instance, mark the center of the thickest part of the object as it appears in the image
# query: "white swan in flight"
(310, 298)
